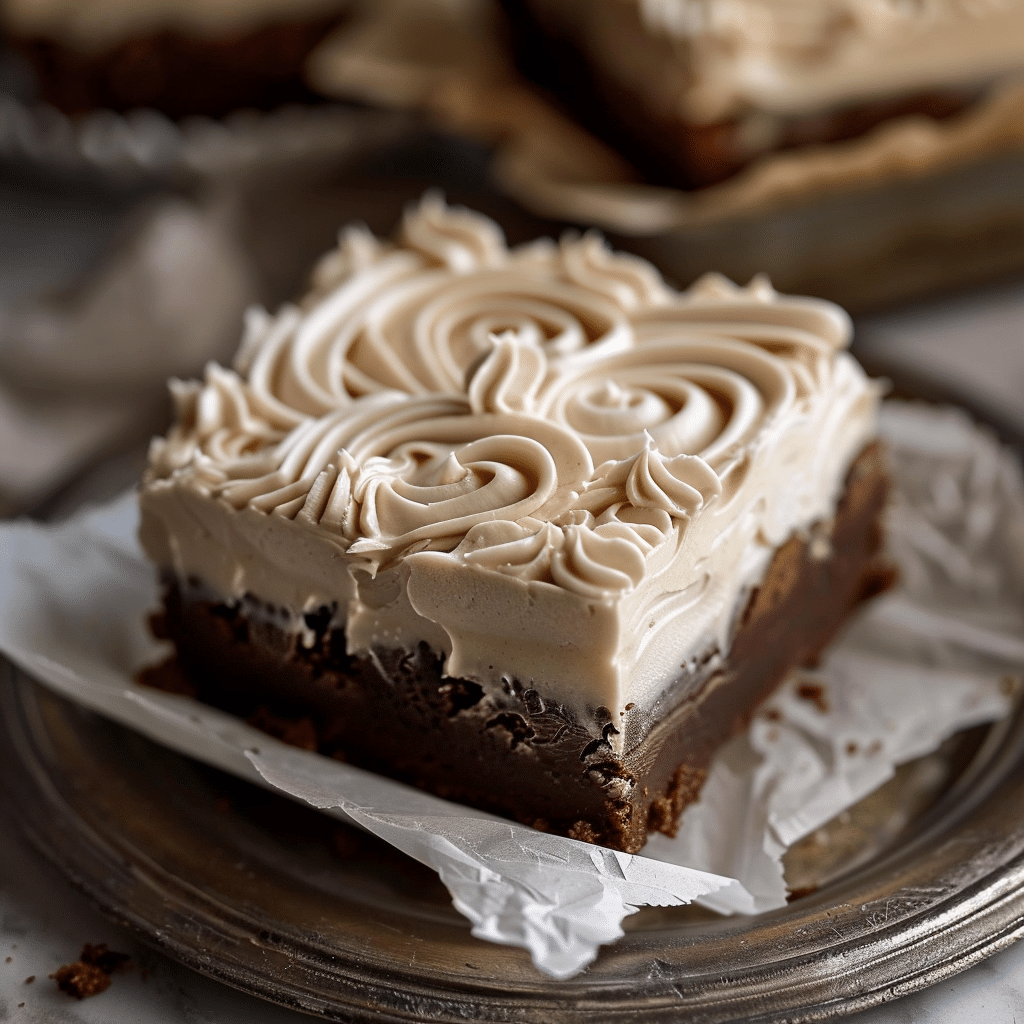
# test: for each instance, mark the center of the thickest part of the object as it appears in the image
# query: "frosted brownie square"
(524, 527)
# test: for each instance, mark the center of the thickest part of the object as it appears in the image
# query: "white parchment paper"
(939, 654)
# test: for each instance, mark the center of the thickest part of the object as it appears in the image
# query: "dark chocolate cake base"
(180, 74)
(516, 753)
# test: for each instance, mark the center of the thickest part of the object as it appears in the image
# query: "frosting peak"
(458, 239)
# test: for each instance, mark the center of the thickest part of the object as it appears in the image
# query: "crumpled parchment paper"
(939, 654)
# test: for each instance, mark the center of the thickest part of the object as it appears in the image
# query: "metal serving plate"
(282, 902)
(919, 881)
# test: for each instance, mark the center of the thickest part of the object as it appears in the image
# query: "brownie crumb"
(90, 974)
(883, 578)
(30, 979)
(815, 693)
(773, 715)
(105, 959)
(8, 960)
(81, 980)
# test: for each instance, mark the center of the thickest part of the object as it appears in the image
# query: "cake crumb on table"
(81, 980)
(815, 693)
(90, 974)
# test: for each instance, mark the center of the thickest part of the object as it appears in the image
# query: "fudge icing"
(543, 461)
(713, 59)
(95, 24)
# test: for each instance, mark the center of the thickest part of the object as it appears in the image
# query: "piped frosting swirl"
(551, 416)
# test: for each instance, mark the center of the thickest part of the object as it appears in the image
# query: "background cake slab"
(912, 209)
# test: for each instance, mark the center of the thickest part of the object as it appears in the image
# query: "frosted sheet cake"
(524, 527)
(692, 91)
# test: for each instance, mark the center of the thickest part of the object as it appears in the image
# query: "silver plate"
(282, 902)
(916, 883)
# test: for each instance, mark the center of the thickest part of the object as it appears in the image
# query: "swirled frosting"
(715, 59)
(543, 461)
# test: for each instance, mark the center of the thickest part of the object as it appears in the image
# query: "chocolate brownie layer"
(180, 74)
(518, 755)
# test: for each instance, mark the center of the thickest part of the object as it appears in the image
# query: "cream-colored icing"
(543, 461)
(713, 59)
(97, 24)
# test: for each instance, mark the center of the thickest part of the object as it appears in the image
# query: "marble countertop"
(975, 340)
